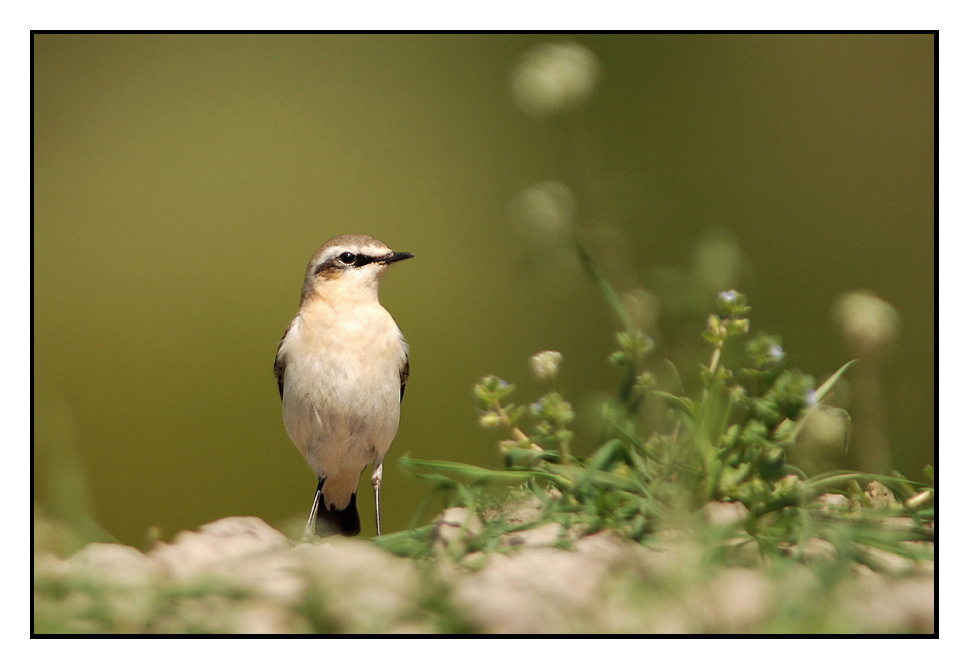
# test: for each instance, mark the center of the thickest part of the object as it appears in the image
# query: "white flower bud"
(554, 77)
(543, 210)
(489, 419)
(869, 323)
(545, 365)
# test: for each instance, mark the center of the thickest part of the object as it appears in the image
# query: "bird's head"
(349, 267)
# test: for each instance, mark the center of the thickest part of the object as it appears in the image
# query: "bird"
(342, 366)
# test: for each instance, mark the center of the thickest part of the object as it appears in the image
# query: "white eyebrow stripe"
(369, 251)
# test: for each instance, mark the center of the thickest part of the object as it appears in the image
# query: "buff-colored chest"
(341, 390)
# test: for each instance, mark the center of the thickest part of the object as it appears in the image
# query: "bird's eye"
(347, 258)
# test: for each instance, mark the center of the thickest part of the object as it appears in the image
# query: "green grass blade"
(605, 287)
(822, 391)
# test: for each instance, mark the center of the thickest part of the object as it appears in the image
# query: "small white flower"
(545, 365)
(554, 77)
(868, 323)
(775, 353)
(825, 429)
(810, 399)
(543, 210)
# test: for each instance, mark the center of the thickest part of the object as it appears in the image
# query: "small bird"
(342, 366)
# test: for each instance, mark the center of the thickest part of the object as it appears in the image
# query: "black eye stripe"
(359, 259)
(343, 261)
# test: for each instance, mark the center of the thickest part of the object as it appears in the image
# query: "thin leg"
(378, 471)
(310, 530)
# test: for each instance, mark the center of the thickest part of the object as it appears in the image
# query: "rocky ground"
(241, 576)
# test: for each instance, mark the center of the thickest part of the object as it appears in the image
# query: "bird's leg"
(310, 530)
(378, 470)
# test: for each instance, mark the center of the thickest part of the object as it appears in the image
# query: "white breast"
(341, 388)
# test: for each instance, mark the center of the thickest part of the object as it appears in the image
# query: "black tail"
(330, 520)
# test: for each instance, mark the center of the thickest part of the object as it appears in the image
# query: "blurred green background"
(181, 183)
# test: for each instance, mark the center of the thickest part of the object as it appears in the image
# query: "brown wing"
(280, 367)
(404, 373)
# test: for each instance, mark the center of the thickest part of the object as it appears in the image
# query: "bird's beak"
(394, 257)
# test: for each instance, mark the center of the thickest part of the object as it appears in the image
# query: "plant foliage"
(727, 444)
